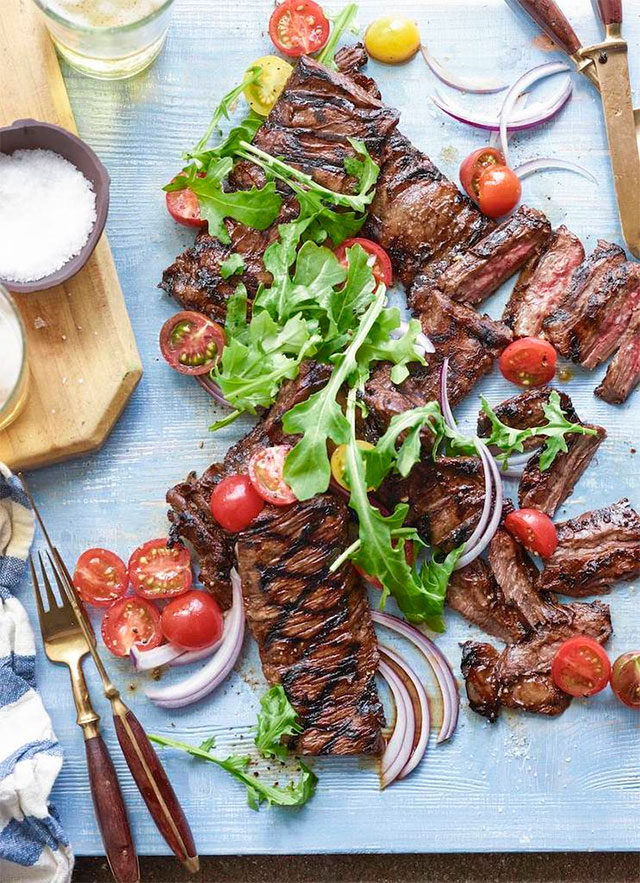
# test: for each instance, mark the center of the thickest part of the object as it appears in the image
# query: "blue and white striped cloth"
(33, 845)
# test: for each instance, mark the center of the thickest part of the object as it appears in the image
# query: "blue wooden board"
(525, 783)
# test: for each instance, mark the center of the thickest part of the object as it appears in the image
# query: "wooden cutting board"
(83, 357)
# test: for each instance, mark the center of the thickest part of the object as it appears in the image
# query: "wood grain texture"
(513, 786)
(82, 353)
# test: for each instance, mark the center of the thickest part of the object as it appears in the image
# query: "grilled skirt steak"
(623, 374)
(313, 627)
(524, 411)
(417, 215)
(570, 319)
(549, 489)
(594, 550)
(481, 268)
(516, 575)
(542, 284)
(474, 593)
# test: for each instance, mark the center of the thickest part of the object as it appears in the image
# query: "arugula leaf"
(386, 454)
(232, 265)
(276, 718)
(341, 22)
(364, 170)
(382, 346)
(258, 792)
(426, 603)
(252, 75)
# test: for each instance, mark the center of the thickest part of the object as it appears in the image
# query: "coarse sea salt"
(47, 211)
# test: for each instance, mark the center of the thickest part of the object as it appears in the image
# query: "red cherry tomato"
(581, 667)
(183, 206)
(475, 165)
(529, 361)
(157, 571)
(191, 343)
(192, 621)
(266, 468)
(625, 678)
(100, 577)
(131, 622)
(298, 27)
(499, 190)
(535, 530)
(379, 260)
(235, 502)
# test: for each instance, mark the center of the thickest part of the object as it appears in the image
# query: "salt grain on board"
(47, 211)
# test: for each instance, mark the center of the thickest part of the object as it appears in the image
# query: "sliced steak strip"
(563, 326)
(549, 489)
(517, 575)
(594, 550)
(470, 340)
(542, 284)
(524, 411)
(623, 374)
(474, 593)
(418, 215)
(350, 60)
(479, 666)
(480, 269)
(313, 627)
(190, 515)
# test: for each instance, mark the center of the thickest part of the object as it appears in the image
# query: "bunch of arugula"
(277, 718)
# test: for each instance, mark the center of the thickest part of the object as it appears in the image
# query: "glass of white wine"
(107, 39)
(14, 369)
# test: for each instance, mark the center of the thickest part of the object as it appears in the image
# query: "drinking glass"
(94, 43)
(14, 369)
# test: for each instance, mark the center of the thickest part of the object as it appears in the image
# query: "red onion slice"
(399, 747)
(205, 680)
(521, 84)
(169, 654)
(438, 662)
(546, 163)
(533, 116)
(420, 704)
(479, 86)
(212, 388)
(447, 413)
(494, 138)
(470, 554)
(486, 506)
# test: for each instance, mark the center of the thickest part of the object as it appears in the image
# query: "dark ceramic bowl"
(30, 135)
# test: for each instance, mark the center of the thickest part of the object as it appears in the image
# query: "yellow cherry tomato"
(339, 462)
(392, 39)
(264, 93)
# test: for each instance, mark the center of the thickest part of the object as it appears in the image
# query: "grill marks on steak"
(623, 374)
(417, 214)
(313, 627)
(542, 284)
(478, 271)
(594, 550)
(474, 593)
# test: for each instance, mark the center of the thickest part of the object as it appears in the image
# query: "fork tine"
(36, 592)
(51, 598)
(62, 588)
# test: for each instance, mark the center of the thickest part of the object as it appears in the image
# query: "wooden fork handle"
(154, 786)
(110, 811)
(548, 15)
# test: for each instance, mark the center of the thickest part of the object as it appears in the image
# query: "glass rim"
(5, 295)
(111, 29)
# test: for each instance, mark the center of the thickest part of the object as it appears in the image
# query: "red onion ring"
(478, 86)
(438, 662)
(420, 704)
(534, 116)
(521, 84)
(399, 746)
(545, 163)
(494, 138)
(447, 413)
(471, 553)
(205, 680)
(212, 388)
(169, 654)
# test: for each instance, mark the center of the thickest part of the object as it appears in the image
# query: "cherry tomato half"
(192, 621)
(157, 571)
(529, 361)
(235, 502)
(100, 577)
(581, 667)
(131, 622)
(266, 468)
(535, 530)
(339, 462)
(499, 190)
(475, 165)
(183, 206)
(264, 93)
(191, 343)
(379, 260)
(298, 27)
(625, 678)
(392, 39)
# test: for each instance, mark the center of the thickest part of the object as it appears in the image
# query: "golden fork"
(66, 644)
